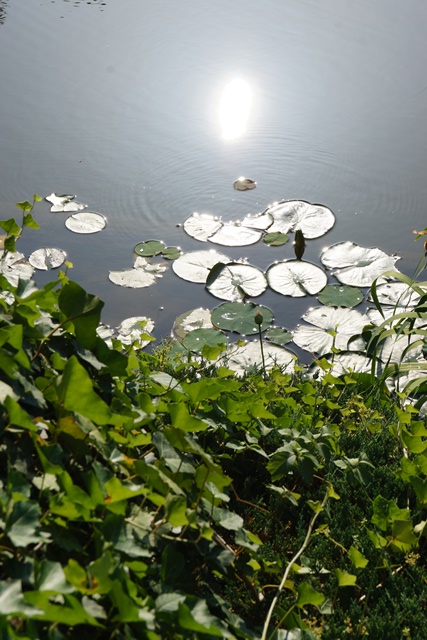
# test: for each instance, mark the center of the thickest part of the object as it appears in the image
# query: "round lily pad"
(396, 294)
(86, 222)
(234, 234)
(240, 317)
(149, 248)
(257, 221)
(246, 358)
(275, 239)
(190, 320)
(296, 278)
(355, 265)
(202, 225)
(333, 327)
(244, 184)
(47, 258)
(171, 253)
(197, 339)
(340, 295)
(342, 363)
(235, 281)
(278, 335)
(314, 220)
(195, 265)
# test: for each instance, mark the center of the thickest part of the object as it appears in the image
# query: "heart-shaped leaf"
(296, 278)
(240, 317)
(235, 281)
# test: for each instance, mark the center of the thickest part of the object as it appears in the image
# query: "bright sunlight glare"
(234, 108)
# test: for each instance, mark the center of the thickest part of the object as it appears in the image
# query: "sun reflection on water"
(234, 108)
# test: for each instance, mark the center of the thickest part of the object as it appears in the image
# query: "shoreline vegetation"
(167, 496)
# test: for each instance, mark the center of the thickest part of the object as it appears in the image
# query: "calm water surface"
(118, 102)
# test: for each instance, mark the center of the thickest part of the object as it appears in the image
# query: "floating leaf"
(134, 328)
(257, 221)
(14, 267)
(64, 203)
(314, 220)
(235, 280)
(149, 248)
(234, 234)
(397, 294)
(278, 335)
(332, 327)
(242, 359)
(356, 265)
(142, 275)
(197, 339)
(296, 278)
(240, 317)
(46, 259)
(202, 225)
(171, 253)
(337, 295)
(87, 222)
(190, 320)
(195, 266)
(344, 362)
(275, 239)
(244, 184)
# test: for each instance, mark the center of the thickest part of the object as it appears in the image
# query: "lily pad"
(342, 363)
(202, 225)
(143, 274)
(296, 278)
(14, 267)
(234, 234)
(314, 220)
(149, 248)
(135, 328)
(86, 222)
(397, 294)
(171, 253)
(240, 317)
(195, 265)
(246, 358)
(333, 327)
(64, 203)
(337, 295)
(357, 265)
(257, 221)
(190, 320)
(275, 239)
(235, 281)
(279, 336)
(196, 340)
(244, 184)
(47, 258)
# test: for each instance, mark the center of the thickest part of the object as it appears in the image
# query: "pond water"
(119, 102)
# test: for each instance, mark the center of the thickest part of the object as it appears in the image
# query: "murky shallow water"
(117, 102)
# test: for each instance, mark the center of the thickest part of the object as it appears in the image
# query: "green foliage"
(146, 497)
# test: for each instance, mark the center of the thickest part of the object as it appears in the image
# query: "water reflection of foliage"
(3, 7)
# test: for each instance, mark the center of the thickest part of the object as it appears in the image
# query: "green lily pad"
(199, 338)
(190, 320)
(149, 248)
(171, 253)
(275, 238)
(240, 317)
(337, 295)
(279, 336)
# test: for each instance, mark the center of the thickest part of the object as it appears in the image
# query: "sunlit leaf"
(257, 221)
(344, 362)
(296, 278)
(190, 320)
(64, 203)
(313, 220)
(235, 281)
(355, 265)
(240, 317)
(244, 184)
(197, 339)
(332, 327)
(234, 234)
(133, 328)
(397, 294)
(195, 266)
(87, 222)
(142, 275)
(14, 268)
(248, 357)
(345, 579)
(47, 258)
(202, 225)
(337, 295)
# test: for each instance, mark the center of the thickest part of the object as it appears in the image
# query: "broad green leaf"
(197, 339)
(275, 239)
(345, 579)
(308, 595)
(23, 522)
(279, 336)
(18, 417)
(83, 309)
(240, 317)
(50, 576)
(337, 295)
(12, 600)
(175, 510)
(149, 248)
(386, 511)
(75, 391)
(357, 558)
